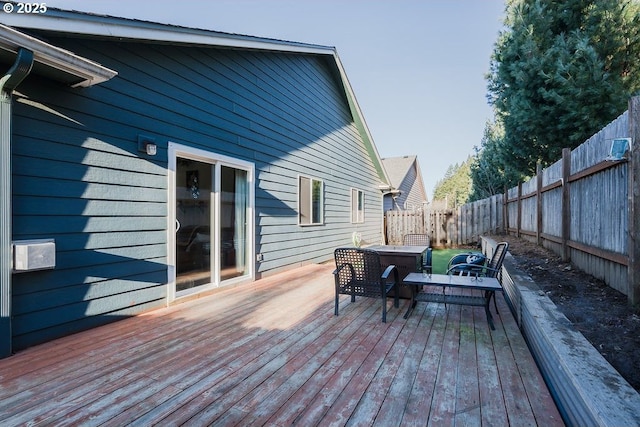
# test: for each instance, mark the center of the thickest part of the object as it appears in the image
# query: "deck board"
(272, 353)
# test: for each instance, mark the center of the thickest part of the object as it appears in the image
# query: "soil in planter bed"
(601, 313)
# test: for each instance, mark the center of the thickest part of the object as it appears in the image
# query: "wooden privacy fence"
(440, 224)
(448, 227)
(585, 207)
(399, 223)
(445, 226)
(478, 218)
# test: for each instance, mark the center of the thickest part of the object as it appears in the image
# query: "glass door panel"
(194, 184)
(233, 222)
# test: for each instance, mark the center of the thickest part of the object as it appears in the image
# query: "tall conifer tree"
(560, 71)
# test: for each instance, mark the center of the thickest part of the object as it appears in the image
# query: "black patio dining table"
(407, 259)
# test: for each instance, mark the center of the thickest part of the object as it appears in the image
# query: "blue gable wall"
(78, 176)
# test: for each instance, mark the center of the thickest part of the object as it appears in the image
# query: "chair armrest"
(428, 260)
(492, 272)
(387, 272)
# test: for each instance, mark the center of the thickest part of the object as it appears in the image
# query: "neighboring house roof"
(398, 170)
(102, 26)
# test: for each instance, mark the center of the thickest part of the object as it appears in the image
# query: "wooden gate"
(440, 224)
(399, 223)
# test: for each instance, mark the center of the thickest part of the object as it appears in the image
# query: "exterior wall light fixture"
(147, 145)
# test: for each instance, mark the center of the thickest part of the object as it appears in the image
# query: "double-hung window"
(357, 206)
(310, 201)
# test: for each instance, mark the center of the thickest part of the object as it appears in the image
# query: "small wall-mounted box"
(30, 255)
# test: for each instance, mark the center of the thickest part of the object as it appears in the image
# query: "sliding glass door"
(212, 212)
(194, 190)
(233, 222)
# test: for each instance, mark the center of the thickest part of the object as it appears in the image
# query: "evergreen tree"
(560, 72)
(490, 172)
(456, 184)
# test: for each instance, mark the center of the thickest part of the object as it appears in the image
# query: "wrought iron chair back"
(359, 273)
(420, 240)
(416, 240)
(494, 266)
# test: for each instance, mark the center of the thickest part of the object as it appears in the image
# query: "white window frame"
(357, 206)
(217, 160)
(305, 201)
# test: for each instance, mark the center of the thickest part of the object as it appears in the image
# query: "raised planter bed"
(587, 389)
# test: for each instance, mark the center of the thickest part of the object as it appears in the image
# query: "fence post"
(633, 242)
(455, 215)
(519, 216)
(566, 203)
(539, 204)
(497, 206)
(505, 211)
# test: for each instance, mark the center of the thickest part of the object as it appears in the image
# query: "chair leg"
(384, 309)
(495, 304)
(336, 304)
(444, 296)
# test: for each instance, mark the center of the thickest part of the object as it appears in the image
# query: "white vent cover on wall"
(30, 255)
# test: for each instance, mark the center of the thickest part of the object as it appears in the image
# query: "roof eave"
(86, 72)
(97, 25)
(57, 20)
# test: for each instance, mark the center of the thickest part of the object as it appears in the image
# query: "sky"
(417, 67)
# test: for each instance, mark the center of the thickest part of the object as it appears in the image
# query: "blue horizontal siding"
(59, 225)
(26, 303)
(79, 178)
(116, 269)
(77, 318)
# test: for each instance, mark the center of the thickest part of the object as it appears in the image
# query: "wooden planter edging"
(586, 388)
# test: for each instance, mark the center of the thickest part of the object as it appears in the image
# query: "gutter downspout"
(16, 74)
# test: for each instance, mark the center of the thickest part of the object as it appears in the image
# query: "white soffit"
(80, 71)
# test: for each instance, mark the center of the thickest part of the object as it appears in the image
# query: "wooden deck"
(272, 353)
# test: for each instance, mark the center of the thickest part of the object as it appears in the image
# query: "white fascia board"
(90, 72)
(142, 30)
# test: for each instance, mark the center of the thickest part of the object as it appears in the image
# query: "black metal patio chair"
(416, 240)
(420, 240)
(479, 266)
(467, 264)
(359, 273)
